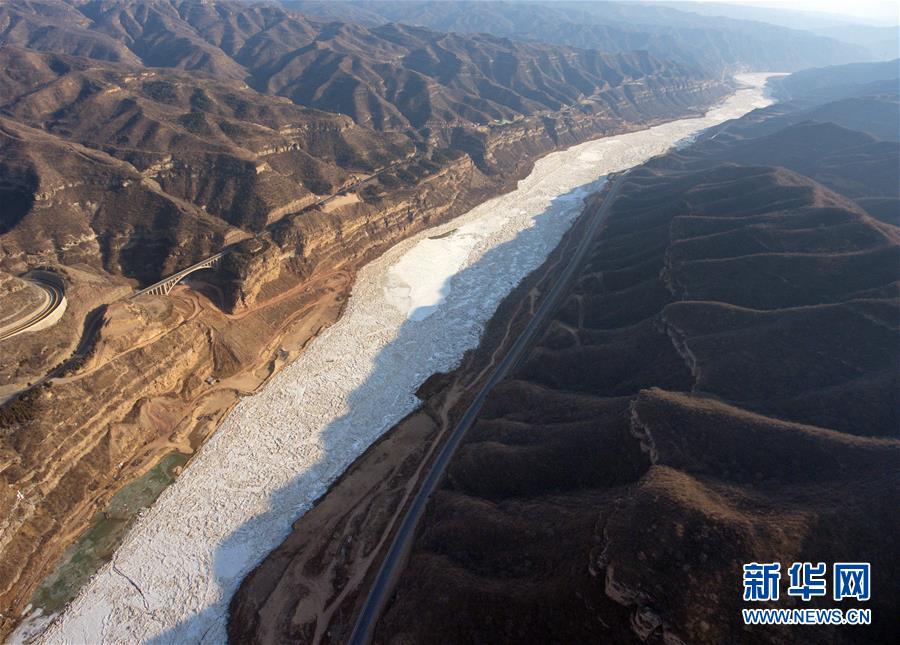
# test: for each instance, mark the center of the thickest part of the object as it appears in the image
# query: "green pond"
(96, 545)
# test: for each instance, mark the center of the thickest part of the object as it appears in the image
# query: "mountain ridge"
(713, 44)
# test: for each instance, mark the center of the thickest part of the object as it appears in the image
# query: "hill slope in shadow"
(719, 387)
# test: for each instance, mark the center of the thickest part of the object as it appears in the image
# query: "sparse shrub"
(230, 129)
(369, 194)
(347, 156)
(200, 101)
(406, 176)
(389, 180)
(195, 122)
(239, 106)
(19, 410)
(161, 91)
(444, 155)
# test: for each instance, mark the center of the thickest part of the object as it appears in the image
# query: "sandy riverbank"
(414, 311)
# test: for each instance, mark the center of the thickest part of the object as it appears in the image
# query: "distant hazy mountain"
(776, 15)
(882, 42)
(713, 43)
(830, 83)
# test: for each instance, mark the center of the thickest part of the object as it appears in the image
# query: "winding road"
(393, 562)
(54, 298)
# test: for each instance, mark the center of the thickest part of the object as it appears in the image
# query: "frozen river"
(413, 312)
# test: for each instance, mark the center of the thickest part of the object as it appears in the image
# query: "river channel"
(414, 311)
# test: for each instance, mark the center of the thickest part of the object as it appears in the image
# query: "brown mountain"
(223, 158)
(822, 84)
(386, 77)
(228, 159)
(876, 114)
(853, 163)
(426, 79)
(165, 86)
(715, 43)
(717, 387)
(139, 137)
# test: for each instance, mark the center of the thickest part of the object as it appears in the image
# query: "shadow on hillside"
(347, 437)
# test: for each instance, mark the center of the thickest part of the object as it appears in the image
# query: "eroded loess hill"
(223, 154)
(390, 77)
(139, 137)
(718, 387)
(209, 107)
(848, 145)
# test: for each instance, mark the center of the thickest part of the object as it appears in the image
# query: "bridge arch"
(165, 286)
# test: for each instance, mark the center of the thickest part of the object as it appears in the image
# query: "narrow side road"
(393, 562)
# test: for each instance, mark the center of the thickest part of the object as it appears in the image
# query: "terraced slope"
(138, 137)
(819, 142)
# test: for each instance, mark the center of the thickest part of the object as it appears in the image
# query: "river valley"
(414, 311)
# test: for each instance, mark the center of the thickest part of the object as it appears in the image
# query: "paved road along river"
(413, 312)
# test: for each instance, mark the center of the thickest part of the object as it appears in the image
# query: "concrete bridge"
(165, 286)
